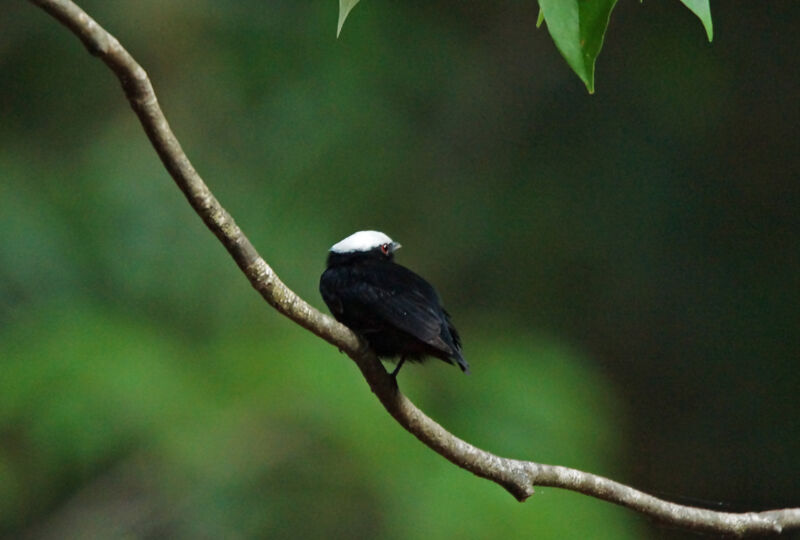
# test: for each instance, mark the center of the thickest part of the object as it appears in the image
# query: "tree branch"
(518, 477)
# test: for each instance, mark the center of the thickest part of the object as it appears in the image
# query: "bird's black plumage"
(394, 309)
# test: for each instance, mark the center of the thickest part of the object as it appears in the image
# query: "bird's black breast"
(396, 311)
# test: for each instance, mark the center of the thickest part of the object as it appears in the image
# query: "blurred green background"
(624, 268)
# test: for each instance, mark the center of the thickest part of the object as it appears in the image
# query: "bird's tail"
(461, 362)
(455, 345)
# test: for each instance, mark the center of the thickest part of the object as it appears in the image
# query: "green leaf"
(345, 6)
(577, 28)
(702, 9)
(540, 18)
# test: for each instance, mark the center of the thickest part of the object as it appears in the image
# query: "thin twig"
(518, 477)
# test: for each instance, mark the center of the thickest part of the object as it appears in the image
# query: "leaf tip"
(702, 9)
(345, 6)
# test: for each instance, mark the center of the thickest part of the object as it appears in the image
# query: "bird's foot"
(394, 373)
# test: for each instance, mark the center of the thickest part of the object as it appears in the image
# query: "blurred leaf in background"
(253, 433)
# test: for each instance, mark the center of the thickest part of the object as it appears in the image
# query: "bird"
(396, 311)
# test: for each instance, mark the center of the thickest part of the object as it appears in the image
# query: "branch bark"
(516, 476)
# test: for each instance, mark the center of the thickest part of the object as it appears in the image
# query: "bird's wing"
(402, 299)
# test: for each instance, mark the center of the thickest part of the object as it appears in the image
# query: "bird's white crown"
(361, 241)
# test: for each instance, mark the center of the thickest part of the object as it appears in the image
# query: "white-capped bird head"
(364, 242)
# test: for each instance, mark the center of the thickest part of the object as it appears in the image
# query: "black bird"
(395, 310)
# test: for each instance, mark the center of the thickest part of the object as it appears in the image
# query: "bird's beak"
(396, 246)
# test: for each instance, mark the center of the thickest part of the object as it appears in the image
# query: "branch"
(518, 477)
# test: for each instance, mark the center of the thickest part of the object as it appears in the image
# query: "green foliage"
(577, 28)
(702, 9)
(344, 10)
(248, 427)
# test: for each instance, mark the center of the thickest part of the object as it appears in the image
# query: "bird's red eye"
(385, 249)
